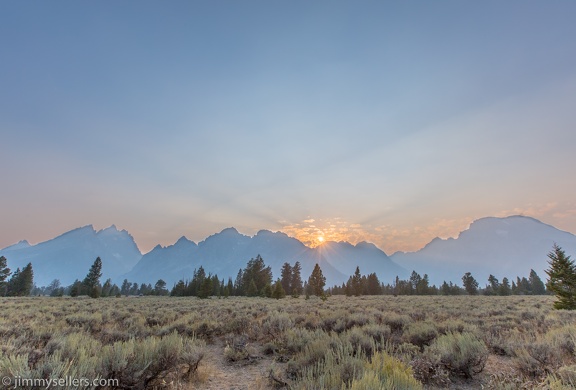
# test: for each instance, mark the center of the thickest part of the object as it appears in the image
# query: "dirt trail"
(215, 372)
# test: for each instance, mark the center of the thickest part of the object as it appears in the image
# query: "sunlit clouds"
(314, 232)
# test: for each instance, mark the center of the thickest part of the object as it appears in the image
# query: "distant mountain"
(500, 246)
(504, 247)
(20, 245)
(69, 256)
(227, 252)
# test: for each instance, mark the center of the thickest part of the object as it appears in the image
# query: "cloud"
(389, 238)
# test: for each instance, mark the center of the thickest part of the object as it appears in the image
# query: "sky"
(389, 122)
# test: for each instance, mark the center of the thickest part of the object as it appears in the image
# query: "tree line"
(252, 281)
(256, 280)
(416, 284)
(20, 283)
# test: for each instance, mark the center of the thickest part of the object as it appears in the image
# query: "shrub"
(385, 372)
(420, 334)
(428, 371)
(359, 340)
(397, 322)
(460, 353)
(276, 324)
(379, 333)
(536, 359)
(143, 363)
(336, 368)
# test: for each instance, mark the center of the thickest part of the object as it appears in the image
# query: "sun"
(321, 239)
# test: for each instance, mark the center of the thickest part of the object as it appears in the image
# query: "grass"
(383, 342)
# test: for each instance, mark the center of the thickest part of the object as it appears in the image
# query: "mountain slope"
(70, 255)
(227, 252)
(504, 247)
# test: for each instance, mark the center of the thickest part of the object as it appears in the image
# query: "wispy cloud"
(389, 238)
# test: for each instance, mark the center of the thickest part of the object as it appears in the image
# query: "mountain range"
(508, 246)
(504, 247)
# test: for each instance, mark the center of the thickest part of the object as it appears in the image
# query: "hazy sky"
(392, 122)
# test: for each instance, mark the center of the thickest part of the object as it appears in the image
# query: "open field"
(461, 342)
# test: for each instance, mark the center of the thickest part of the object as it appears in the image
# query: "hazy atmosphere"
(390, 122)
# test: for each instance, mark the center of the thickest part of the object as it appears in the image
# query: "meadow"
(376, 342)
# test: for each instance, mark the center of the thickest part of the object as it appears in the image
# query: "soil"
(215, 372)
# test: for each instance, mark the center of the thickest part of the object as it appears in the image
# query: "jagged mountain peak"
(19, 245)
(183, 240)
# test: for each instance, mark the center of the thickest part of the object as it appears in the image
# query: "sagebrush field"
(380, 342)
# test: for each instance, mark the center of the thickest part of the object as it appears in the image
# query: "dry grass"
(162, 342)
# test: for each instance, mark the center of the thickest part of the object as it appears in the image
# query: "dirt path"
(215, 372)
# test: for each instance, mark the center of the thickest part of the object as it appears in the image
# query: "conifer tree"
(159, 288)
(470, 284)
(238, 284)
(91, 282)
(106, 288)
(278, 291)
(536, 284)
(257, 271)
(356, 282)
(230, 288)
(373, 286)
(205, 289)
(286, 278)
(562, 279)
(252, 290)
(494, 284)
(21, 282)
(12, 288)
(4, 273)
(179, 289)
(125, 288)
(317, 281)
(296, 283)
(504, 288)
(76, 288)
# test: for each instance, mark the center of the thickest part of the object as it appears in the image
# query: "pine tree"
(238, 286)
(470, 284)
(278, 290)
(494, 284)
(76, 288)
(296, 283)
(252, 290)
(106, 288)
(536, 284)
(21, 282)
(415, 279)
(179, 289)
(159, 288)
(91, 283)
(12, 288)
(215, 286)
(356, 282)
(4, 273)
(286, 278)
(423, 286)
(257, 271)
(230, 288)
(205, 288)
(125, 289)
(562, 279)
(317, 281)
(504, 288)
(266, 291)
(373, 286)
